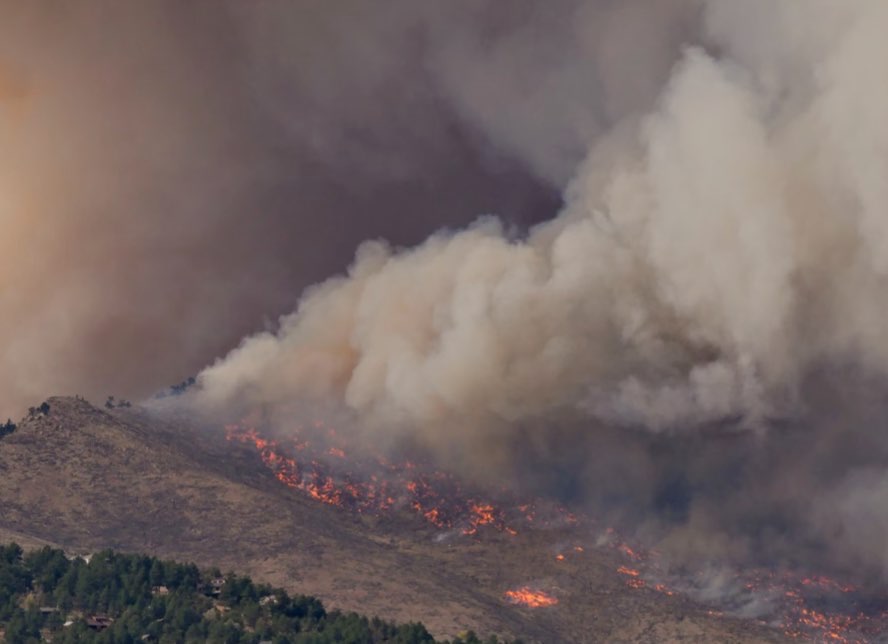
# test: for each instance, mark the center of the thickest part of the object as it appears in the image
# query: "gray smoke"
(720, 256)
(172, 176)
(708, 254)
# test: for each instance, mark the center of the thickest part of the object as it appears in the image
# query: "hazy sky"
(173, 175)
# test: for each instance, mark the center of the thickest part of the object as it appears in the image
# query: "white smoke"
(707, 256)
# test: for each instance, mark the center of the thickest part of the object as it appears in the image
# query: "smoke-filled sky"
(172, 176)
(722, 234)
(659, 215)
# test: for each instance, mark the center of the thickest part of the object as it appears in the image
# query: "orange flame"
(526, 596)
(623, 570)
(438, 500)
(434, 496)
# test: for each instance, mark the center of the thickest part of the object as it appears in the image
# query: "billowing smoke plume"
(172, 176)
(720, 257)
(708, 255)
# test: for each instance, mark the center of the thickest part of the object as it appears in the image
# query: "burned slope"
(88, 478)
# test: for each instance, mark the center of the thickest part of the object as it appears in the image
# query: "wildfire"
(629, 552)
(484, 514)
(847, 621)
(807, 607)
(328, 475)
(803, 603)
(634, 577)
(663, 588)
(526, 596)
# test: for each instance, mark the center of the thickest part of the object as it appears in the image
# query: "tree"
(121, 586)
(22, 629)
(47, 566)
(7, 428)
(11, 554)
(156, 576)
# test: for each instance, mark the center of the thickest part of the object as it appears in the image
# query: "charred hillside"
(87, 478)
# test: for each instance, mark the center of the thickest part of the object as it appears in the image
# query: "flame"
(663, 588)
(432, 495)
(848, 622)
(634, 580)
(483, 514)
(629, 552)
(851, 617)
(440, 501)
(526, 596)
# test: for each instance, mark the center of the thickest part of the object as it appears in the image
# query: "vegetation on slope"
(118, 598)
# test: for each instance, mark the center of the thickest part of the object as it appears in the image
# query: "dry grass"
(87, 479)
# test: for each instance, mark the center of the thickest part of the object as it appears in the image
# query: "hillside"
(88, 479)
(120, 599)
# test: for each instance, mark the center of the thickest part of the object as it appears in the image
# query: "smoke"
(716, 273)
(676, 312)
(173, 176)
(707, 256)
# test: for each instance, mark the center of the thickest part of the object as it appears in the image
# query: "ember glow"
(807, 608)
(803, 607)
(375, 486)
(526, 596)
(634, 579)
(820, 607)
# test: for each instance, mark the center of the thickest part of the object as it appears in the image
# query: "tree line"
(128, 599)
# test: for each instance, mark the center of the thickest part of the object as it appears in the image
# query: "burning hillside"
(526, 596)
(323, 469)
(163, 485)
(812, 607)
